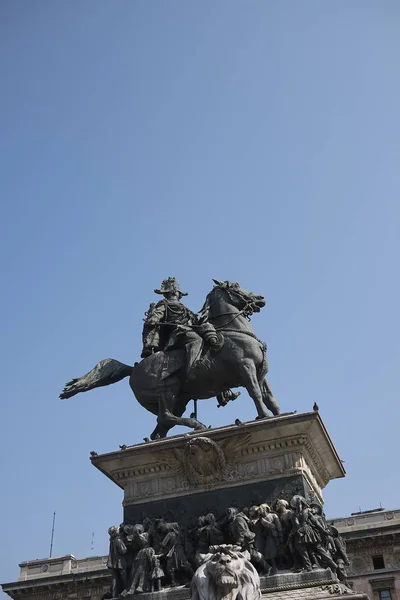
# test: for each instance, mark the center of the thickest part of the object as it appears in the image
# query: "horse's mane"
(226, 286)
(205, 309)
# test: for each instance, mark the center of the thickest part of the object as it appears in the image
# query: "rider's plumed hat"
(170, 285)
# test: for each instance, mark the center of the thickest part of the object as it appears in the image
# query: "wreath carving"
(203, 461)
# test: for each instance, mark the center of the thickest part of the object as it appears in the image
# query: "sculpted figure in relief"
(116, 562)
(176, 561)
(310, 535)
(290, 556)
(272, 531)
(142, 562)
(340, 554)
(147, 557)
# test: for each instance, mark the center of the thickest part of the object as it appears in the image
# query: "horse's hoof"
(201, 427)
(259, 418)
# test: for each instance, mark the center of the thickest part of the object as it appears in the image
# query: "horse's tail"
(106, 372)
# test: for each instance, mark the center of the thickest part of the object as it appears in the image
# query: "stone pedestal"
(317, 585)
(185, 476)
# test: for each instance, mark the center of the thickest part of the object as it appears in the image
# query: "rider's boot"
(226, 396)
(147, 351)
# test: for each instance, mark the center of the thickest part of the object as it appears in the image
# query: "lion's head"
(226, 574)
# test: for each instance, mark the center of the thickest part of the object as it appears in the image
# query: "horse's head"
(240, 298)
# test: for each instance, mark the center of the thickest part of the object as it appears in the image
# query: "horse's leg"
(159, 432)
(166, 398)
(178, 410)
(269, 398)
(248, 373)
(167, 407)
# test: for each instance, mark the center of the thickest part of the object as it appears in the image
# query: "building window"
(383, 589)
(378, 562)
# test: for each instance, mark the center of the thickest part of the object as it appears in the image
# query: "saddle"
(165, 363)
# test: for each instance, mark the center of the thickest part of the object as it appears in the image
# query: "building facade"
(61, 578)
(373, 546)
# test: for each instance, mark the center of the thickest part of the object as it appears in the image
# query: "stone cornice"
(371, 542)
(45, 584)
(273, 429)
(290, 444)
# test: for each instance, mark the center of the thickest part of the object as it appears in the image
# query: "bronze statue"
(309, 533)
(206, 534)
(176, 561)
(272, 530)
(214, 533)
(285, 514)
(157, 573)
(339, 554)
(324, 548)
(237, 528)
(151, 332)
(191, 358)
(116, 562)
(152, 555)
(200, 541)
(142, 562)
(169, 325)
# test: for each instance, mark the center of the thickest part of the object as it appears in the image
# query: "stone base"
(289, 581)
(183, 477)
(315, 585)
(188, 475)
(186, 509)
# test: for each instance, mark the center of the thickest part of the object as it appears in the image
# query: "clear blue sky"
(257, 141)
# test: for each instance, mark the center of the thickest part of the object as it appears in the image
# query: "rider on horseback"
(232, 355)
(169, 324)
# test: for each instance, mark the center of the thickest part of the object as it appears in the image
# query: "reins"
(244, 312)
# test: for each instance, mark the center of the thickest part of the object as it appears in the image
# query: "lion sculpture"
(226, 574)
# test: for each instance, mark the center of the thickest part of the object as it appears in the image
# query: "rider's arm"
(157, 315)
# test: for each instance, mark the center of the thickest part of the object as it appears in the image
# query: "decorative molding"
(275, 435)
(320, 468)
(322, 585)
(171, 458)
(337, 588)
(77, 592)
(366, 548)
(357, 565)
(203, 464)
(86, 586)
(202, 461)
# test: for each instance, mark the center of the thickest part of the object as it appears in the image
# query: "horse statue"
(160, 382)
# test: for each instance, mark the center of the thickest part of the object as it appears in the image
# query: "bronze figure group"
(290, 535)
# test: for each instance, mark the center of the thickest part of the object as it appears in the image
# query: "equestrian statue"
(192, 357)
